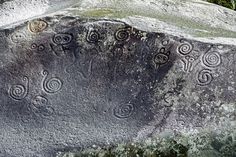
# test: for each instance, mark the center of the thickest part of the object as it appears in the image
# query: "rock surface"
(193, 19)
(84, 76)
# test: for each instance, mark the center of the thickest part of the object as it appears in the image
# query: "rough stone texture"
(193, 19)
(14, 11)
(69, 82)
(72, 82)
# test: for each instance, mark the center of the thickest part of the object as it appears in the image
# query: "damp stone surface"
(68, 83)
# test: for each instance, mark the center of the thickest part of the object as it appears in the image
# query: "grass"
(206, 144)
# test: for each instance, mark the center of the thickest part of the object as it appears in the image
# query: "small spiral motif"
(212, 59)
(18, 92)
(185, 48)
(124, 111)
(122, 35)
(51, 85)
(204, 77)
(93, 37)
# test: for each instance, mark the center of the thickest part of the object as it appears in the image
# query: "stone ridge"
(195, 19)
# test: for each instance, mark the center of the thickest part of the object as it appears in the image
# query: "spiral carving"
(19, 91)
(204, 77)
(124, 111)
(51, 85)
(211, 59)
(122, 35)
(93, 36)
(185, 48)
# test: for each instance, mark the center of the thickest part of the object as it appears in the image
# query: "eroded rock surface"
(71, 83)
(192, 19)
(98, 74)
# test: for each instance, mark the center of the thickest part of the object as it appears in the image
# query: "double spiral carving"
(19, 91)
(204, 77)
(92, 36)
(51, 85)
(122, 35)
(185, 48)
(212, 59)
(124, 110)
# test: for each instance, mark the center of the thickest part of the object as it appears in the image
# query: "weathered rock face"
(193, 19)
(70, 82)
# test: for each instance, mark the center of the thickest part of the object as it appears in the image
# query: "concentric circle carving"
(123, 110)
(211, 59)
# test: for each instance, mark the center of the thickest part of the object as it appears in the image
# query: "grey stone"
(69, 82)
(192, 19)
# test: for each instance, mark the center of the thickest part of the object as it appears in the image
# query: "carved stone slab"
(70, 83)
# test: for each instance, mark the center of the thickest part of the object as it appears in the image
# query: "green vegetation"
(226, 3)
(206, 144)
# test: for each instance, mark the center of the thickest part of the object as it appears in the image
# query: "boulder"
(106, 72)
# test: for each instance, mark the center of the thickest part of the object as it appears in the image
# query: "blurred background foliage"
(226, 3)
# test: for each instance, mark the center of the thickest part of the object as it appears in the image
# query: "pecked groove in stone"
(83, 81)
